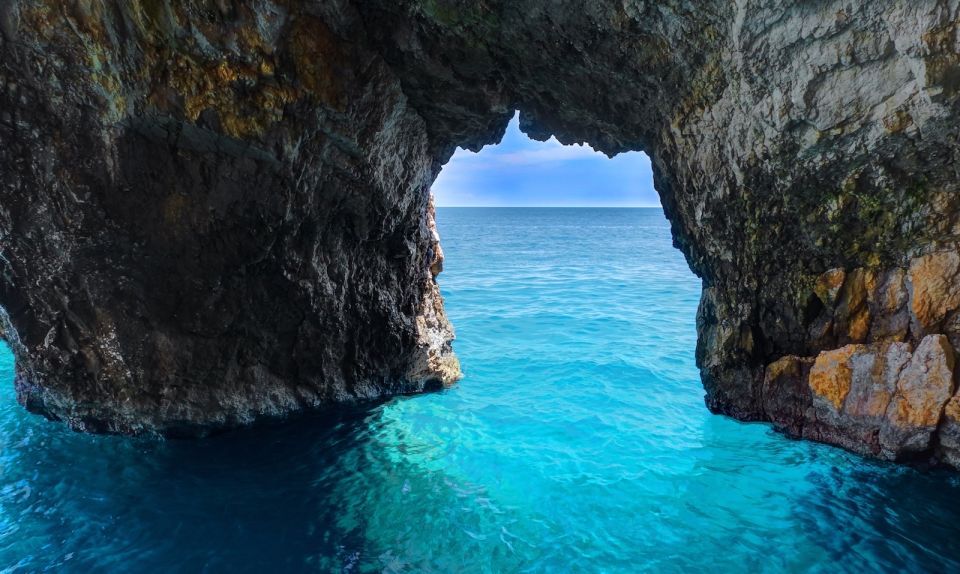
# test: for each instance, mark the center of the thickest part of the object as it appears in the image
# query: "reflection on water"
(577, 442)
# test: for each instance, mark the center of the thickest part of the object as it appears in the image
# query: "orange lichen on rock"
(925, 384)
(936, 291)
(246, 92)
(831, 374)
(852, 316)
(244, 103)
(883, 391)
(859, 325)
(923, 389)
(875, 380)
(788, 366)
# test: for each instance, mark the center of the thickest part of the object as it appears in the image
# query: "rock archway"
(213, 210)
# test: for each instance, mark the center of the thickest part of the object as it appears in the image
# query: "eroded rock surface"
(216, 209)
(212, 211)
(883, 399)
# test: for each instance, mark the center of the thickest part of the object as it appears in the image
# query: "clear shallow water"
(577, 443)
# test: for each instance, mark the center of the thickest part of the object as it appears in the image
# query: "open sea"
(578, 442)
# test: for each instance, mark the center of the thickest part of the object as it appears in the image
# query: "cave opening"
(557, 254)
(216, 213)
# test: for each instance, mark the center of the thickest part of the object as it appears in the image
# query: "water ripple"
(577, 443)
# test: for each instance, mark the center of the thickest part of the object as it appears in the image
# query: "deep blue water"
(578, 442)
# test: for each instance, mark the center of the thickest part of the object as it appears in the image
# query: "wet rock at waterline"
(212, 211)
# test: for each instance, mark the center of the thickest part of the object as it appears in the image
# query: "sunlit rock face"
(213, 210)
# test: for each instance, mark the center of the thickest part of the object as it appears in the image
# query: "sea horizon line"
(550, 206)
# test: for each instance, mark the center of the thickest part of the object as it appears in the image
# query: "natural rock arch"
(213, 210)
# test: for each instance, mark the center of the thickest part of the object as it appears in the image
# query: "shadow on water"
(874, 517)
(809, 507)
(264, 495)
(316, 493)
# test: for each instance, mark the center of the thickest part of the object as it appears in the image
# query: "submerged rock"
(212, 211)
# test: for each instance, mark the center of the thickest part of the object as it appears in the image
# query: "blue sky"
(523, 172)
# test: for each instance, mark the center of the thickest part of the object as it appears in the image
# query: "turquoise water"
(578, 442)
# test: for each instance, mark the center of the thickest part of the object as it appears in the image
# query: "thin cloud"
(521, 171)
(547, 152)
(548, 155)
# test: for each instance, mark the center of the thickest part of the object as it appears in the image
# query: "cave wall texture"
(212, 210)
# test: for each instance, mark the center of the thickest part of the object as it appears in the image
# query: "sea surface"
(578, 442)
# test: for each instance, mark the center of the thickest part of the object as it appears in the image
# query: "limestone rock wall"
(213, 209)
(883, 382)
(804, 152)
(210, 212)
